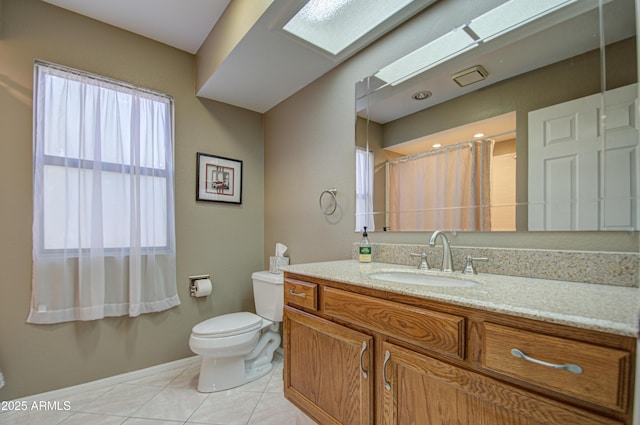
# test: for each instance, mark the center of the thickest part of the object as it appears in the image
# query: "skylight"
(500, 20)
(431, 54)
(511, 15)
(334, 25)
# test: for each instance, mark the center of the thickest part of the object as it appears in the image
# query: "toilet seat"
(228, 325)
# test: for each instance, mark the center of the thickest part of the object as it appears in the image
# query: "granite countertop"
(603, 308)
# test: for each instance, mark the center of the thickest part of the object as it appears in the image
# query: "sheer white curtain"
(364, 190)
(103, 223)
(447, 188)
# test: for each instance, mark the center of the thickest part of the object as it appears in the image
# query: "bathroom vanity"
(508, 350)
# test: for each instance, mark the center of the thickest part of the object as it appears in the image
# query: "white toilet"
(237, 348)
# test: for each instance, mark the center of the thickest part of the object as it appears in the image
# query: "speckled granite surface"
(613, 309)
(605, 268)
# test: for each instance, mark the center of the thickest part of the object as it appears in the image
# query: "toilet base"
(219, 374)
(223, 374)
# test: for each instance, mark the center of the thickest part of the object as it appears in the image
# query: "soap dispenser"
(365, 248)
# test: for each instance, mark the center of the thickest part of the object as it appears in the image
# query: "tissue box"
(276, 262)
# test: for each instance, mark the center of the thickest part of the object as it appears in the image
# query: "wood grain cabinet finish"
(326, 369)
(358, 356)
(423, 390)
(301, 293)
(436, 331)
(599, 373)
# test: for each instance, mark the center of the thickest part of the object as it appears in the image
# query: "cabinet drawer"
(440, 332)
(301, 293)
(601, 380)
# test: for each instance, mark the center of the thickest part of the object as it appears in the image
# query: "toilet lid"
(228, 325)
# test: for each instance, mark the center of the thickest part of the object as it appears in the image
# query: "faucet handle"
(424, 264)
(469, 268)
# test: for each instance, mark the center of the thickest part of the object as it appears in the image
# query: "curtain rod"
(102, 78)
(447, 148)
(436, 151)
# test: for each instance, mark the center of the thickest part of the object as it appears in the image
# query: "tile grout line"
(179, 379)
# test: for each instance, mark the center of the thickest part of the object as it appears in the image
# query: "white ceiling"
(498, 128)
(181, 24)
(268, 65)
(265, 67)
(569, 32)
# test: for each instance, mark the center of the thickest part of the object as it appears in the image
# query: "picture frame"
(218, 179)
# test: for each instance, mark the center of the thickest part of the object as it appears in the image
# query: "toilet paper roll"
(202, 287)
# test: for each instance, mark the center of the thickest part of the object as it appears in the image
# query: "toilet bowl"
(237, 348)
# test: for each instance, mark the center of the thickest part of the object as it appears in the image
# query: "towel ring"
(332, 193)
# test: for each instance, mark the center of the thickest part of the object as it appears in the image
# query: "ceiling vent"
(470, 76)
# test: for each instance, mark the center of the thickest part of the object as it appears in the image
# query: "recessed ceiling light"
(421, 95)
(478, 135)
(437, 145)
(333, 25)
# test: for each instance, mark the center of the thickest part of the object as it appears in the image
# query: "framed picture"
(218, 179)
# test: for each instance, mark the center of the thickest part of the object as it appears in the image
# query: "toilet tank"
(268, 294)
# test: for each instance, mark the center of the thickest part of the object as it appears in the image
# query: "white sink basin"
(420, 279)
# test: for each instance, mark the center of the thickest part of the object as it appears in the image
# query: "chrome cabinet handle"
(569, 367)
(387, 384)
(365, 375)
(295, 294)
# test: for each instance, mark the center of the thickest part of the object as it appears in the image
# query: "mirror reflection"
(514, 126)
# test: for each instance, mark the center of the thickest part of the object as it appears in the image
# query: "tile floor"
(170, 398)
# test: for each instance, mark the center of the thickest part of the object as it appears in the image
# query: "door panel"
(327, 369)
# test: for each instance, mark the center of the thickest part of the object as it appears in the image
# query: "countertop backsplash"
(607, 268)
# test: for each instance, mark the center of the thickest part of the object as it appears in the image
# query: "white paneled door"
(573, 185)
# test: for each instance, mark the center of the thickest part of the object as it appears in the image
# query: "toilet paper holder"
(192, 287)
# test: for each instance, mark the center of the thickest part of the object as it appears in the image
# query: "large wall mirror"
(520, 116)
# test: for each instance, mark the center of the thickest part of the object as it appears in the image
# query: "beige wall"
(224, 240)
(309, 146)
(236, 21)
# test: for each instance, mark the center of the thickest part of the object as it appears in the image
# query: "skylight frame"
(512, 15)
(410, 65)
(375, 28)
(443, 48)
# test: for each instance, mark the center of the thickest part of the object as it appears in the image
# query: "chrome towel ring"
(329, 209)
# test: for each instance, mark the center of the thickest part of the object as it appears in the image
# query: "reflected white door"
(619, 211)
(569, 175)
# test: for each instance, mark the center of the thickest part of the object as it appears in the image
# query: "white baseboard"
(112, 380)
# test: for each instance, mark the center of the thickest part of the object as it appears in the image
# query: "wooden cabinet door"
(327, 369)
(418, 389)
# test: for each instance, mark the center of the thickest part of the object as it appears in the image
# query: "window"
(364, 190)
(103, 229)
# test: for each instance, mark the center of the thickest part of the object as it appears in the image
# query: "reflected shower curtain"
(447, 189)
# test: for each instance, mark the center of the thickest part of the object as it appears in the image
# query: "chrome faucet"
(446, 250)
